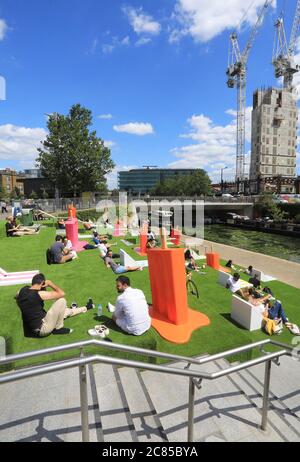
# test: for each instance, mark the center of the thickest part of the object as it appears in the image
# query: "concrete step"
(45, 409)
(116, 421)
(284, 383)
(222, 412)
(147, 425)
(242, 410)
(283, 390)
(280, 419)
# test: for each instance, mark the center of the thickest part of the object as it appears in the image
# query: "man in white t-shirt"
(132, 310)
(234, 284)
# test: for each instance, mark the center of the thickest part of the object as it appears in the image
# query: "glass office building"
(142, 181)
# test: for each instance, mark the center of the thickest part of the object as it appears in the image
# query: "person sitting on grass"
(60, 254)
(230, 265)
(131, 313)
(249, 270)
(118, 269)
(37, 322)
(14, 230)
(255, 281)
(234, 284)
(61, 224)
(151, 244)
(250, 296)
(190, 260)
(69, 247)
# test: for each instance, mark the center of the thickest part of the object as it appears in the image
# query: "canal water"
(274, 245)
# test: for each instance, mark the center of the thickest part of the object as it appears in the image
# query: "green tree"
(266, 205)
(72, 157)
(196, 184)
(15, 193)
(4, 195)
(33, 195)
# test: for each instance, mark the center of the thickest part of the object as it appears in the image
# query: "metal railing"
(195, 377)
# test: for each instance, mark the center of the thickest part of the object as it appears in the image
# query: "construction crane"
(284, 53)
(237, 78)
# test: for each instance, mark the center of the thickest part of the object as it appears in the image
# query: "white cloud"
(135, 128)
(214, 145)
(206, 19)
(143, 41)
(112, 177)
(20, 144)
(3, 29)
(105, 116)
(125, 41)
(141, 22)
(109, 144)
(108, 48)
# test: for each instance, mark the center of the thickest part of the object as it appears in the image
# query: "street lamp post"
(222, 182)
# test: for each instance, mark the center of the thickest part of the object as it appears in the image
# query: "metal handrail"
(83, 361)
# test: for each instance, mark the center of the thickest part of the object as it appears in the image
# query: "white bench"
(127, 260)
(262, 276)
(245, 314)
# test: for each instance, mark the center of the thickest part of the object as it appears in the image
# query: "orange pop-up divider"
(176, 236)
(142, 250)
(72, 230)
(213, 260)
(171, 316)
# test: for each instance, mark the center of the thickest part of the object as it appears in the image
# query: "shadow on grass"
(228, 318)
(108, 322)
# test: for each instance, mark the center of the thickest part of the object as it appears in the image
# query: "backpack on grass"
(49, 257)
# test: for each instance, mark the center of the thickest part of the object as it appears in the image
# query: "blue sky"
(151, 71)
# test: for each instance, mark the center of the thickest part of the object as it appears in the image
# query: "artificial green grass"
(88, 277)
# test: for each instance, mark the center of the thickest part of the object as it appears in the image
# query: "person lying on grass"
(60, 253)
(119, 269)
(131, 312)
(37, 321)
(88, 225)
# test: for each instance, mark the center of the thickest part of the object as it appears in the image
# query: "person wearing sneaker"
(132, 310)
(38, 322)
(119, 269)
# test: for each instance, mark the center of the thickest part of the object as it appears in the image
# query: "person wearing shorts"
(119, 269)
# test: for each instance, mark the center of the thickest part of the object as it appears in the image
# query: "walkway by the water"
(283, 270)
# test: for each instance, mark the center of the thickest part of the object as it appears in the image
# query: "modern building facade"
(274, 141)
(142, 181)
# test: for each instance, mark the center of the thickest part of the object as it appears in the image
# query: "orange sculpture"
(170, 314)
(176, 236)
(72, 230)
(213, 260)
(142, 250)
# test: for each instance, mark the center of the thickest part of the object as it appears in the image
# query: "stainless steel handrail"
(83, 361)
